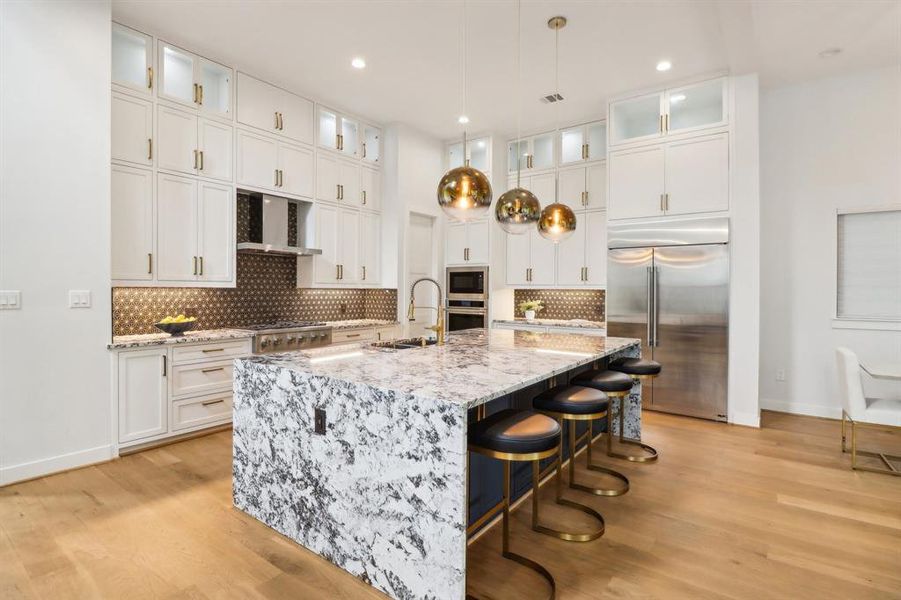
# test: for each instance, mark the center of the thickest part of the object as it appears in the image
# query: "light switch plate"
(79, 298)
(10, 299)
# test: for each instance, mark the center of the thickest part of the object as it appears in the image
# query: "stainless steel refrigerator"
(668, 284)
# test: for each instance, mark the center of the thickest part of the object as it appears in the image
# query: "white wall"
(54, 235)
(826, 144)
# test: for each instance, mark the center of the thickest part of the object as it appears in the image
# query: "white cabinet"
(349, 182)
(272, 164)
(596, 248)
(584, 187)
(467, 243)
(132, 59)
(339, 132)
(533, 153)
(194, 81)
(370, 188)
(540, 185)
(372, 144)
(531, 260)
(327, 178)
(132, 130)
(583, 143)
(195, 230)
(370, 249)
(349, 246)
(350, 240)
(214, 144)
(478, 153)
(324, 267)
(141, 389)
(272, 109)
(582, 257)
(192, 145)
(131, 215)
(636, 118)
(679, 177)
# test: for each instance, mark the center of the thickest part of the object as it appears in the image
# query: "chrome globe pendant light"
(557, 221)
(518, 210)
(464, 193)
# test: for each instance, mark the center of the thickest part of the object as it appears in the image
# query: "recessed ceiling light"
(358, 63)
(463, 119)
(830, 52)
(675, 98)
(664, 65)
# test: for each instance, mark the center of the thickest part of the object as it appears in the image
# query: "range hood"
(276, 227)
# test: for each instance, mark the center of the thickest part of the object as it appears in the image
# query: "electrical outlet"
(780, 375)
(343, 308)
(10, 299)
(319, 421)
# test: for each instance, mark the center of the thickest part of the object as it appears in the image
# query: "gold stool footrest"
(650, 457)
(607, 492)
(569, 536)
(531, 564)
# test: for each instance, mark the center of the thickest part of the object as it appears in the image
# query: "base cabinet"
(141, 390)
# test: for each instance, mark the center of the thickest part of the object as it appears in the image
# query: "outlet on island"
(319, 421)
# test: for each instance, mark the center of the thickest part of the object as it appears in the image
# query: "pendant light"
(518, 210)
(464, 193)
(557, 221)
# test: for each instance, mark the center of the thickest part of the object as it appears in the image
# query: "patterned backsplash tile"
(564, 304)
(265, 292)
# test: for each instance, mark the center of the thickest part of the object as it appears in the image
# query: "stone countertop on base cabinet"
(121, 342)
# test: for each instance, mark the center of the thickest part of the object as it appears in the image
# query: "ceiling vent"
(551, 98)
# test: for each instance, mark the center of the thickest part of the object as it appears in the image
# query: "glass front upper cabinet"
(542, 154)
(478, 152)
(372, 143)
(132, 53)
(216, 86)
(696, 106)
(636, 118)
(328, 129)
(350, 136)
(583, 143)
(517, 155)
(195, 81)
(177, 75)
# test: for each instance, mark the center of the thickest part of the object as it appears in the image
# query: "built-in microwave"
(467, 283)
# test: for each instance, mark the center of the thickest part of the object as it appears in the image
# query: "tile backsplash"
(265, 292)
(564, 304)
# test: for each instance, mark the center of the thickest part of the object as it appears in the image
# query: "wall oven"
(467, 298)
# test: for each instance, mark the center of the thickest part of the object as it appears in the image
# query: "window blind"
(869, 265)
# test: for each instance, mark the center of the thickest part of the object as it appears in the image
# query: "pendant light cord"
(463, 61)
(518, 88)
(557, 108)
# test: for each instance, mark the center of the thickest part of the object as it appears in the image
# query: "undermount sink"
(406, 344)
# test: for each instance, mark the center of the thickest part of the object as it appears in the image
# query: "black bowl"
(175, 329)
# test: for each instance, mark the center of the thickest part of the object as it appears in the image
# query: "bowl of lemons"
(178, 325)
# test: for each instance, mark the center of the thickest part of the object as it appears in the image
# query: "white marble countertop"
(475, 366)
(358, 323)
(157, 339)
(583, 323)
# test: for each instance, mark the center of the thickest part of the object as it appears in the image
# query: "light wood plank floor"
(727, 512)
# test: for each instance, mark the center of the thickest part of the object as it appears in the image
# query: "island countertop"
(473, 367)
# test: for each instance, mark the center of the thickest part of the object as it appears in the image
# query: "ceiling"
(413, 50)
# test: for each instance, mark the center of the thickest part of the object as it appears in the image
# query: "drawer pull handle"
(213, 350)
(353, 335)
(212, 402)
(213, 370)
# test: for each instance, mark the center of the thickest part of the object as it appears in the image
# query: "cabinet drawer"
(208, 352)
(383, 334)
(203, 378)
(206, 410)
(353, 335)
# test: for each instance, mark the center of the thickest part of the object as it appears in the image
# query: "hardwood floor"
(727, 512)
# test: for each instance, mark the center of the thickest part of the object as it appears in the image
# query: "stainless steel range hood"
(270, 229)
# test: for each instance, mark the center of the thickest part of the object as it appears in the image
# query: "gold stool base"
(573, 442)
(568, 536)
(652, 453)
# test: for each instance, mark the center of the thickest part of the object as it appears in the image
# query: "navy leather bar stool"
(638, 369)
(574, 403)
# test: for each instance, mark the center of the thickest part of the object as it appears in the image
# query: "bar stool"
(575, 403)
(522, 435)
(639, 369)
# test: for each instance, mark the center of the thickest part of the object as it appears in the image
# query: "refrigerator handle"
(648, 321)
(656, 310)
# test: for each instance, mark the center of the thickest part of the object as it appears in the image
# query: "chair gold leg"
(887, 459)
(618, 491)
(652, 453)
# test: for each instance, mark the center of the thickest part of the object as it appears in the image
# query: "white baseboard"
(802, 408)
(54, 464)
(748, 419)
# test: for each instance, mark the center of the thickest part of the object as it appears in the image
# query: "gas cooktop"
(285, 336)
(276, 325)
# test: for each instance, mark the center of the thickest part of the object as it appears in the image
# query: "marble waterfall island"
(359, 453)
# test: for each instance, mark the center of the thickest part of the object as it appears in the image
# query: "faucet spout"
(439, 326)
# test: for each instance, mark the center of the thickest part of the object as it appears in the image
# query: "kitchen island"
(359, 453)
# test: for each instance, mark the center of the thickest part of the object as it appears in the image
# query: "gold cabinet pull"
(276, 178)
(211, 402)
(201, 266)
(276, 121)
(149, 78)
(666, 201)
(213, 370)
(195, 265)
(364, 273)
(207, 351)
(364, 197)
(666, 122)
(164, 365)
(149, 263)
(195, 93)
(281, 121)
(364, 149)
(661, 202)
(201, 160)
(149, 148)
(337, 271)
(195, 160)
(200, 89)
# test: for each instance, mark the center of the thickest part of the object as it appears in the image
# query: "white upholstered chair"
(860, 410)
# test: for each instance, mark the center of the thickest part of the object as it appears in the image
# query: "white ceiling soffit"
(413, 49)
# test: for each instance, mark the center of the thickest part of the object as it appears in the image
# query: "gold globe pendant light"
(517, 210)
(464, 193)
(557, 221)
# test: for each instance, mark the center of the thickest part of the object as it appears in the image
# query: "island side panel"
(632, 417)
(379, 495)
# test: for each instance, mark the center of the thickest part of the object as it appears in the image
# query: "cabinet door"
(542, 152)
(542, 186)
(176, 226)
(544, 259)
(141, 393)
(215, 92)
(131, 216)
(328, 129)
(177, 69)
(596, 185)
(372, 144)
(636, 183)
(132, 53)
(349, 178)
(349, 245)
(455, 244)
(132, 130)
(572, 145)
(696, 106)
(517, 155)
(697, 175)
(455, 155)
(257, 103)
(350, 137)
(518, 258)
(595, 226)
(176, 138)
(296, 117)
(597, 140)
(636, 118)
(371, 192)
(215, 143)
(370, 249)
(327, 239)
(480, 155)
(216, 233)
(296, 163)
(572, 186)
(327, 178)
(477, 241)
(571, 255)
(257, 160)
